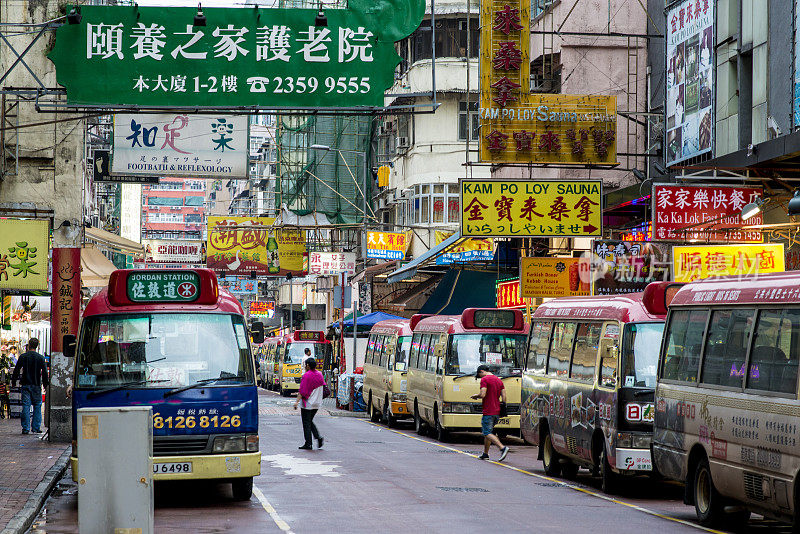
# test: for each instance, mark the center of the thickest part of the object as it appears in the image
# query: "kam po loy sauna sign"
(524, 127)
(156, 57)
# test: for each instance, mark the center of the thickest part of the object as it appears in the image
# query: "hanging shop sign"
(552, 277)
(386, 245)
(205, 146)
(101, 165)
(508, 294)
(65, 308)
(328, 263)
(162, 251)
(239, 286)
(244, 245)
(690, 79)
(262, 309)
(466, 251)
(277, 57)
(698, 262)
(627, 267)
(24, 254)
(526, 208)
(520, 126)
(684, 212)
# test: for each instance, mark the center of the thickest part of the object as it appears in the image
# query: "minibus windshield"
(163, 350)
(296, 352)
(500, 352)
(641, 343)
(405, 349)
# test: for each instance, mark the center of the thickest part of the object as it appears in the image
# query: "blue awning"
(410, 269)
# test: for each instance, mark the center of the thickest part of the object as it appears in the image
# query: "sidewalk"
(28, 471)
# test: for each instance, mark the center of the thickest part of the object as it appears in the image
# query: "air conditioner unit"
(402, 142)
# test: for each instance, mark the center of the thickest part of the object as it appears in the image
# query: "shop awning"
(95, 268)
(114, 241)
(461, 289)
(410, 269)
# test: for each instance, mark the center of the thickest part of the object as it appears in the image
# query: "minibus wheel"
(242, 489)
(550, 458)
(390, 420)
(608, 477)
(441, 434)
(707, 502)
(374, 415)
(419, 426)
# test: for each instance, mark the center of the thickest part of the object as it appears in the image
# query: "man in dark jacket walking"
(32, 369)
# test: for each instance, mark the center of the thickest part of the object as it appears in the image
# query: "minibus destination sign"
(163, 286)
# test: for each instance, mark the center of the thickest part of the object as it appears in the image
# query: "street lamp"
(754, 208)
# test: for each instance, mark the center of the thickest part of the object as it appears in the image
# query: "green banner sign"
(157, 57)
(163, 286)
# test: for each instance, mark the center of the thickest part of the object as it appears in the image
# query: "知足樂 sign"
(386, 245)
(700, 262)
(690, 79)
(552, 277)
(181, 145)
(155, 57)
(245, 245)
(24, 254)
(704, 213)
(173, 286)
(527, 208)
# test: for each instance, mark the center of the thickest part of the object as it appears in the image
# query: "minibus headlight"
(641, 441)
(229, 444)
(399, 397)
(252, 442)
(624, 440)
(456, 407)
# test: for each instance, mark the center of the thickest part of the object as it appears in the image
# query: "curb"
(25, 517)
(341, 413)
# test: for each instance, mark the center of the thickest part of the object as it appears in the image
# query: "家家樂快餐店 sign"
(526, 208)
(553, 277)
(386, 245)
(520, 126)
(173, 286)
(276, 57)
(244, 245)
(704, 213)
(690, 79)
(700, 262)
(24, 254)
(181, 145)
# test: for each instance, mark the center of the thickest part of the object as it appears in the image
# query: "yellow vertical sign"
(24, 254)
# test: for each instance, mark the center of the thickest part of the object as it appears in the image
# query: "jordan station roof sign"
(155, 57)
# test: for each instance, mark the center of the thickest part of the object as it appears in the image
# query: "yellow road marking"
(559, 482)
(283, 525)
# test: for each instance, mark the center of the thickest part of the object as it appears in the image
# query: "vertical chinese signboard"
(155, 57)
(243, 245)
(24, 254)
(703, 212)
(552, 278)
(699, 262)
(518, 126)
(526, 208)
(627, 267)
(690, 79)
(65, 300)
(508, 294)
(181, 145)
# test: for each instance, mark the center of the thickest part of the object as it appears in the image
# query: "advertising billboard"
(690, 80)
(164, 251)
(627, 267)
(699, 262)
(552, 278)
(24, 254)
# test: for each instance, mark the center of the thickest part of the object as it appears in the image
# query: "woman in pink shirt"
(311, 387)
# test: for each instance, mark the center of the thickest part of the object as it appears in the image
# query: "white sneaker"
(503, 454)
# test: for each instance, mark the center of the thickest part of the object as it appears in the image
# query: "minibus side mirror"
(257, 332)
(68, 344)
(613, 351)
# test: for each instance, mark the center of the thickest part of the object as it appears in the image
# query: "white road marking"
(294, 465)
(283, 525)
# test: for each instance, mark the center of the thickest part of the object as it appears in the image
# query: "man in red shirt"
(493, 392)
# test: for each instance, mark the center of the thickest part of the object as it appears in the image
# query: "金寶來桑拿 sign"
(704, 213)
(244, 245)
(175, 286)
(699, 262)
(527, 208)
(386, 245)
(278, 57)
(518, 125)
(553, 277)
(24, 254)
(181, 145)
(328, 263)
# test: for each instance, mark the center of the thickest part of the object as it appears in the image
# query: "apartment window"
(165, 217)
(435, 203)
(194, 218)
(194, 201)
(195, 185)
(451, 39)
(540, 6)
(164, 201)
(465, 118)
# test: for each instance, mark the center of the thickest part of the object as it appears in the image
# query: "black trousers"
(309, 427)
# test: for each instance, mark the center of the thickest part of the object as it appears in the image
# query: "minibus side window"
(726, 347)
(370, 349)
(609, 355)
(537, 352)
(684, 341)
(584, 358)
(414, 351)
(561, 349)
(423, 351)
(384, 352)
(432, 352)
(774, 359)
